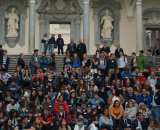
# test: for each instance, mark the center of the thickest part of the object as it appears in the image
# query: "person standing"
(133, 62)
(21, 61)
(155, 110)
(44, 43)
(1, 51)
(81, 50)
(60, 44)
(51, 44)
(156, 51)
(105, 49)
(118, 50)
(141, 60)
(150, 60)
(44, 62)
(71, 48)
(5, 60)
(34, 61)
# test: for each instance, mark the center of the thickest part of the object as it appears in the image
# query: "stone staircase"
(59, 62)
(14, 58)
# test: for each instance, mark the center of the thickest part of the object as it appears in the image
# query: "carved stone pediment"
(151, 16)
(59, 6)
(96, 3)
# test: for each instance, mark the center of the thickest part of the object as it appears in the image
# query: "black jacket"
(123, 124)
(117, 52)
(143, 124)
(60, 42)
(105, 49)
(21, 62)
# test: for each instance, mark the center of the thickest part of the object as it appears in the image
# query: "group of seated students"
(99, 93)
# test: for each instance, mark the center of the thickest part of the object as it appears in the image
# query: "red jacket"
(57, 104)
(49, 118)
(142, 80)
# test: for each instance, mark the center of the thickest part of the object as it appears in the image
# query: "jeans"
(155, 113)
(51, 48)
(45, 47)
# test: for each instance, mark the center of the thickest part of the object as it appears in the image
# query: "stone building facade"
(135, 24)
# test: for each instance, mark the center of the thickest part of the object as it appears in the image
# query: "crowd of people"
(105, 92)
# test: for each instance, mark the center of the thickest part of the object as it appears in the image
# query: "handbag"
(43, 41)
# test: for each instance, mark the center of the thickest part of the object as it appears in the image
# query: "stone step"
(59, 62)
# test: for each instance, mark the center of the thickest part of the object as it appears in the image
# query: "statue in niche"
(107, 28)
(12, 23)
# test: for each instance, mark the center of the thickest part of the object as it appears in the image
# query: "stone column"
(86, 23)
(77, 31)
(32, 7)
(139, 33)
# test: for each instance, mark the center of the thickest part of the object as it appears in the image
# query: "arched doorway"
(151, 21)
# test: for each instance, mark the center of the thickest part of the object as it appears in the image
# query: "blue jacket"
(72, 47)
(102, 121)
(96, 103)
(144, 99)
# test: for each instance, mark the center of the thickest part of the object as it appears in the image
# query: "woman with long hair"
(93, 116)
(105, 119)
(115, 95)
(37, 123)
(63, 125)
(131, 109)
(153, 125)
(116, 112)
(81, 87)
(7, 125)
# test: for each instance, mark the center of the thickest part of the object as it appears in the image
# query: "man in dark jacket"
(60, 44)
(4, 61)
(125, 122)
(34, 61)
(139, 123)
(117, 51)
(71, 48)
(81, 49)
(155, 111)
(105, 49)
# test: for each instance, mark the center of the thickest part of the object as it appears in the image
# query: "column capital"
(32, 1)
(138, 2)
(86, 1)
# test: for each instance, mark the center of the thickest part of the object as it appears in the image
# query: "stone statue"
(107, 28)
(12, 23)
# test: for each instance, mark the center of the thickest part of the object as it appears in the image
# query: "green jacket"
(141, 62)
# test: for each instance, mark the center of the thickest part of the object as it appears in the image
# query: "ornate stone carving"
(151, 16)
(59, 6)
(12, 41)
